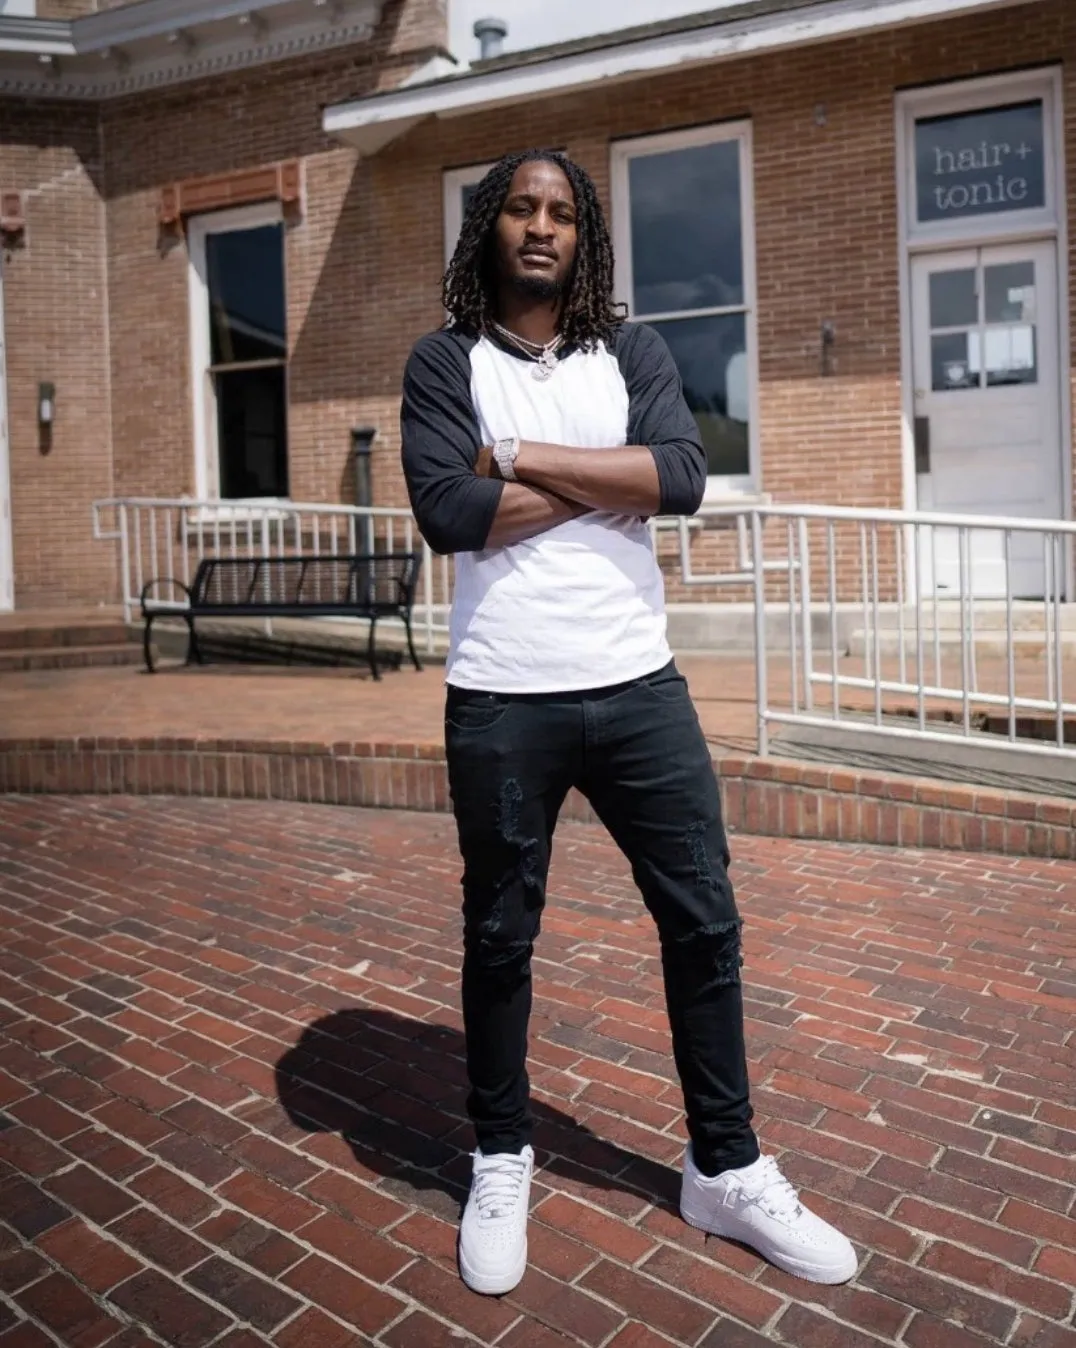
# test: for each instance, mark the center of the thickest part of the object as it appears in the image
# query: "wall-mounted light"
(829, 341)
(46, 404)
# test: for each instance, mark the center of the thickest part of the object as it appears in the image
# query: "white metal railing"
(166, 539)
(875, 619)
(948, 644)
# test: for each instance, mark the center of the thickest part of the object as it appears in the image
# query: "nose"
(540, 226)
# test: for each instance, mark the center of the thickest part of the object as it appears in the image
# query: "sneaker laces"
(497, 1184)
(774, 1193)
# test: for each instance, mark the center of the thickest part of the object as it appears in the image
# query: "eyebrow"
(533, 197)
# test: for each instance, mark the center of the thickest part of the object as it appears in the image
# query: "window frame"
(204, 403)
(453, 181)
(718, 486)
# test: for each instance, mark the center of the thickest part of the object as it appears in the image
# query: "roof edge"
(753, 28)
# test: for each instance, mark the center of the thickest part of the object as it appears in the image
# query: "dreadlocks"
(589, 314)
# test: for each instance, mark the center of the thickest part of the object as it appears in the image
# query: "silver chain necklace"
(544, 354)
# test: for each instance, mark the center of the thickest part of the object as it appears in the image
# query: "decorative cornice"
(205, 38)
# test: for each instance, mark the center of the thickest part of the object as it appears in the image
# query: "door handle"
(922, 444)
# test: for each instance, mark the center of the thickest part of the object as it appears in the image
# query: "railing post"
(125, 563)
(806, 638)
(760, 633)
(427, 592)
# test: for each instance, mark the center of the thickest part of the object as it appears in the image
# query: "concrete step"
(1027, 644)
(989, 615)
(96, 655)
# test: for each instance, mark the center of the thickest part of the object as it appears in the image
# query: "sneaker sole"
(492, 1285)
(809, 1272)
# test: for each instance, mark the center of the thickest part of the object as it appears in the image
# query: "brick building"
(224, 225)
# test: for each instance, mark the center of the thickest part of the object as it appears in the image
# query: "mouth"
(542, 258)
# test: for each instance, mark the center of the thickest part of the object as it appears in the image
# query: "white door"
(987, 407)
(7, 564)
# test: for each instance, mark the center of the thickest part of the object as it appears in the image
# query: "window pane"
(252, 433)
(711, 354)
(246, 294)
(953, 301)
(954, 360)
(686, 245)
(980, 163)
(1010, 292)
(1010, 355)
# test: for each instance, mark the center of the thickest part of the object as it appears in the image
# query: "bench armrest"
(145, 601)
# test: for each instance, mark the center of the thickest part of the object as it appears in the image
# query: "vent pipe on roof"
(491, 34)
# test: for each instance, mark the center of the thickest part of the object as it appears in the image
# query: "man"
(540, 431)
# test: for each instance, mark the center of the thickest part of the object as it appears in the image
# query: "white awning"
(369, 124)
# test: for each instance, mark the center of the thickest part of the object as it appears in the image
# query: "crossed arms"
(462, 506)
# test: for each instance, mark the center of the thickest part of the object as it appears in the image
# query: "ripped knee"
(501, 958)
(502, 924)
(717, 947)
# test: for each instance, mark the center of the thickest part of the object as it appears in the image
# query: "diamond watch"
(505, 453)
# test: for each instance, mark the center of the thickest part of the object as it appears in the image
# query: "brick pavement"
(300, 703)
(232, 1090)
(326, 736)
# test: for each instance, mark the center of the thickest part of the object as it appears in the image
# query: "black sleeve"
(658, 416)
(440, 441)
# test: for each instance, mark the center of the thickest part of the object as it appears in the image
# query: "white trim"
(371, 123)
(726, 487)
(1051, 223)
(7, 556)
(453, 181)
(203, 410)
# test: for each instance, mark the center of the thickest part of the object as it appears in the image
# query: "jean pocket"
(668, 685)
(467, 712)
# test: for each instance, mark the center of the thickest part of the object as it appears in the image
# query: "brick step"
(97, 655)
(34, 636)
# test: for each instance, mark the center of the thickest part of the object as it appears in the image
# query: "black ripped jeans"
(637, 752)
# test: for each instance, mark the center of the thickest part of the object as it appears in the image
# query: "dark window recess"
(248, 351)
(711, 354)
(252, 432)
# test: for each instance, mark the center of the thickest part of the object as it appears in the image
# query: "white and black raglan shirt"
(581, 605)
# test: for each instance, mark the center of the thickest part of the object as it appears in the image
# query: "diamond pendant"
(545, 365)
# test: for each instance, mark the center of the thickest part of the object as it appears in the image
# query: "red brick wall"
(821, 253)
(364, 264)
(56, 325)
(97, 305)
(67, 9)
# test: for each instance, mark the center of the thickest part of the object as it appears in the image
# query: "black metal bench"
(370, 586)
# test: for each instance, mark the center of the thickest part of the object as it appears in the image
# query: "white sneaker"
(493, 1233)
(758, 1207)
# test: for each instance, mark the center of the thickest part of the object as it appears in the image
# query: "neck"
(537, 322)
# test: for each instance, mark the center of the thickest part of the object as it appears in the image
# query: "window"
(980, 159)
(239, 353)
(983, 331)
(682, 224)
(459, 186)
(980, 163)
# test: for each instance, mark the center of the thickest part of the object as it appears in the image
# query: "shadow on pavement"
(394, 1089)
